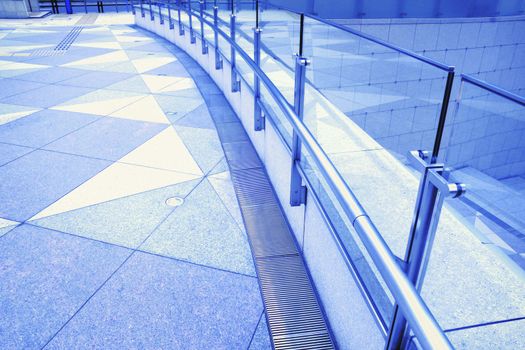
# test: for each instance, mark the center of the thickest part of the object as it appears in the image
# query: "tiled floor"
(93, 142)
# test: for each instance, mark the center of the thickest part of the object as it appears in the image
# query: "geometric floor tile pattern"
(93, 143)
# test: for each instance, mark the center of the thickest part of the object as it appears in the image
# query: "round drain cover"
(174, 201)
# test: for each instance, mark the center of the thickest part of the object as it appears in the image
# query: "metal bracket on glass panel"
(142, 12)
(297, 190)
(203, 40)
(218, 57)
(170, 19)
(192, 33)
(161, 17)
(181, 27)
(151, 17)
(433, 189)
(235, 81)
(258, 119)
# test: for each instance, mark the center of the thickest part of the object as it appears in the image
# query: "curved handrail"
(420, 319)
(494, 89)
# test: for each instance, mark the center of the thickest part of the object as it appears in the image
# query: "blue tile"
(203, 144)
(107, 138)
(96, 79)
(171, 69)
(198, 118)
(27, 131)
(5, 230)
(10, 87)
(46, 277)
(11, 152)
(52, 75)
(32, 182)
(47, 96)
(204, 232)
(158, 303)
(261, 338)
(110, 221)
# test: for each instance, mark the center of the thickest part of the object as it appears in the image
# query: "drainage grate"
(295, 318)
(68, 40)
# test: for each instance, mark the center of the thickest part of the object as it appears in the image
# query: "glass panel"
(279, 46)
(370, 278)
(368, 105)
(276, 114)
(394, 98)
(485, 149)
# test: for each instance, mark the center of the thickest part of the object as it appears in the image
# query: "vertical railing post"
(181, 27)
(429, 202)
(236, 84)
(132, 4)
(151, 17)
(161, 17)
(297, 190)
(218, 58)
(258, 119)
(203, 38)
(116, 6)
(85, 6)
(69, 9)
(170, 19)
(192, 34)
(142, 12)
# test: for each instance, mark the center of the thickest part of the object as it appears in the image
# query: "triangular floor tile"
(125, 221)
(214, 239)
(164, 151)
(145, 109)
(116, 181)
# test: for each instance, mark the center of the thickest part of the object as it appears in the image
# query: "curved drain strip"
(294, 315)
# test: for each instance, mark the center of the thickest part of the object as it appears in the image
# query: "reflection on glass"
(486, 151)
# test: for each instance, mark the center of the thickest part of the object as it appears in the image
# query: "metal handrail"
(494, 89)
(420, 319)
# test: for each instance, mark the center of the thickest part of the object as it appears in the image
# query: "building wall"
(490, 49)
(13, 9)
(406, 8)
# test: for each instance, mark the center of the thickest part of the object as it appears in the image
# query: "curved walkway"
(119, 226)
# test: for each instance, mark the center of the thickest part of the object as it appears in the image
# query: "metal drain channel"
(69, 39)
(295, 318)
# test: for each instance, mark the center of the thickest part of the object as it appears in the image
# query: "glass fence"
(485, 148)
(393, 95)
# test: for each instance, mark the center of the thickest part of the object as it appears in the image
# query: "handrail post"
(218, 58)
(170, 19)
(192, 34)
(161, 17)
(181, 27)
(151, 11)
(429, 202)
(142, 12)
(69, 8)
(203, 40)
(258, 121)
(236, 84)
(258, 118)
(297, 190)
(132, 3)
